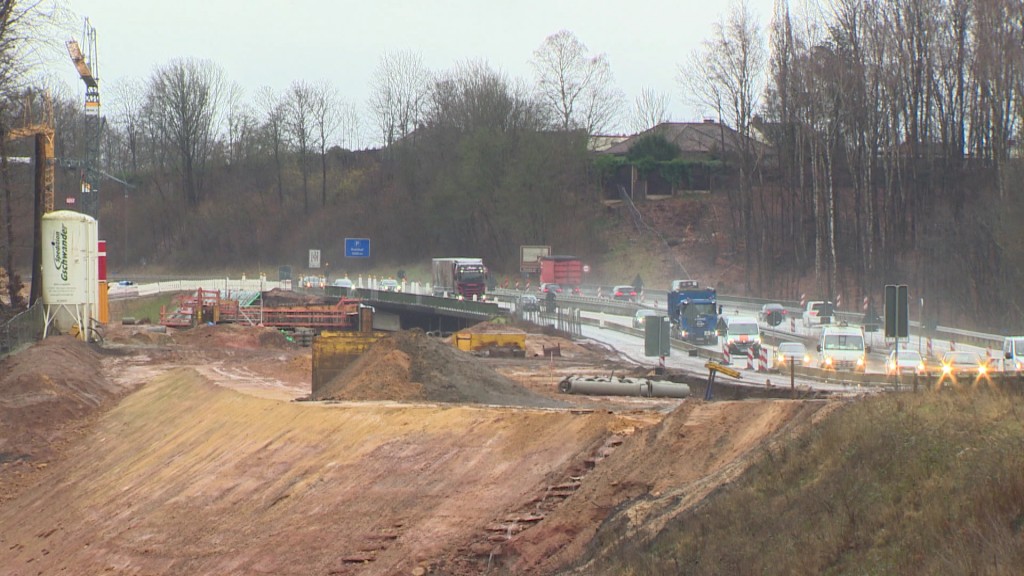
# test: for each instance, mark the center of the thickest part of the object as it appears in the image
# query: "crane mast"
(87, 64)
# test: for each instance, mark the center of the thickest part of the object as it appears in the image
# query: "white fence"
(225, 285)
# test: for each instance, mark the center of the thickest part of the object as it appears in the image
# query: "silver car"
(641, 316)
(791, 354)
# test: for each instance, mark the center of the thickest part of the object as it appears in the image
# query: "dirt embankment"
(204, 469)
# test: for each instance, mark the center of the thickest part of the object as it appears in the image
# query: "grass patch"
(145, 309)
(929, 484)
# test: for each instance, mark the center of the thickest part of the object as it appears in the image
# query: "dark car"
(549, 287)
(624, 292)
(773, 314)
(529, 303)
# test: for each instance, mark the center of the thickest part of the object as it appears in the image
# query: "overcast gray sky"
(273, 43)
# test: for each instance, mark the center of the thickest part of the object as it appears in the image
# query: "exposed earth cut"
(187, 453)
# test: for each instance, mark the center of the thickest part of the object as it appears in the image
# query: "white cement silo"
(70, 272)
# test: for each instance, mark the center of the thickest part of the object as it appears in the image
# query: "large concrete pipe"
(622, 386)
(664, 389)
(601, 386)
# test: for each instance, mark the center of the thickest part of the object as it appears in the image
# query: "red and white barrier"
(952, 346)
(725, 353)
(762, 365)
(750, 359)
(931, 354)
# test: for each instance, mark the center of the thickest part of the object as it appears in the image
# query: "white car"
(389, 285)
(905, 362)
(342, 283)
(818, 313)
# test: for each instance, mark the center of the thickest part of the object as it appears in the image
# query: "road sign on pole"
(656, 336)
(897, 311)
(357, 247)
(314, 258)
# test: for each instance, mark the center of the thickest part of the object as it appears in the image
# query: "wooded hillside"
(876, 144)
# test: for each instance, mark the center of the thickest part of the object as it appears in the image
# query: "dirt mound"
(46, 392)
(232, 336)
(411, 366)
(491, 327)
(279, 297)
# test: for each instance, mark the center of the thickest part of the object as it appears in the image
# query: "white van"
(739, 333)
(1013, 354)
(818, 313)
(842, 348)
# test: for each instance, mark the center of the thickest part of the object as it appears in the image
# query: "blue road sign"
(357, 247)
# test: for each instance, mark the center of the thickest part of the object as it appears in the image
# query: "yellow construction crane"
(87, 64)
(92, 87)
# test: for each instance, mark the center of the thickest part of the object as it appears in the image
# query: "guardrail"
(463, 307)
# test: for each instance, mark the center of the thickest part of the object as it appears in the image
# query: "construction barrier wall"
(334, 351)
(469, 341)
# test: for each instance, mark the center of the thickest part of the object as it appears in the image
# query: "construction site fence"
(23, 330)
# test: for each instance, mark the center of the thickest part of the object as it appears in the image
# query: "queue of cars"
(838, 348)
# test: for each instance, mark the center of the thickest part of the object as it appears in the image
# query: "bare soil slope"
(206, 468)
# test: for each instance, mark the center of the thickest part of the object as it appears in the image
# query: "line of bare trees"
(894, 125)
(214, 178)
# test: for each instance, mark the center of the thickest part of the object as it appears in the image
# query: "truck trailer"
(459, 278)
(693, 311)
(566, 271)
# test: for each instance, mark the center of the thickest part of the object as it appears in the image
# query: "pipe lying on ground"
(622, 386)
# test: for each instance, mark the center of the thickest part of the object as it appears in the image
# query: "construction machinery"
(87, 65)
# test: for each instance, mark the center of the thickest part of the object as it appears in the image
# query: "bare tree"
(300, 126)
(350, 126)
(327, 118)
(474, 96)
(242, 128)
(577, 89)
(186, 96)
(398, 94)
(726, 74)
(274, 129)
(129, 116)
(649, 109)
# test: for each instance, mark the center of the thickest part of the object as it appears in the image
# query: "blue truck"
(693, 311)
